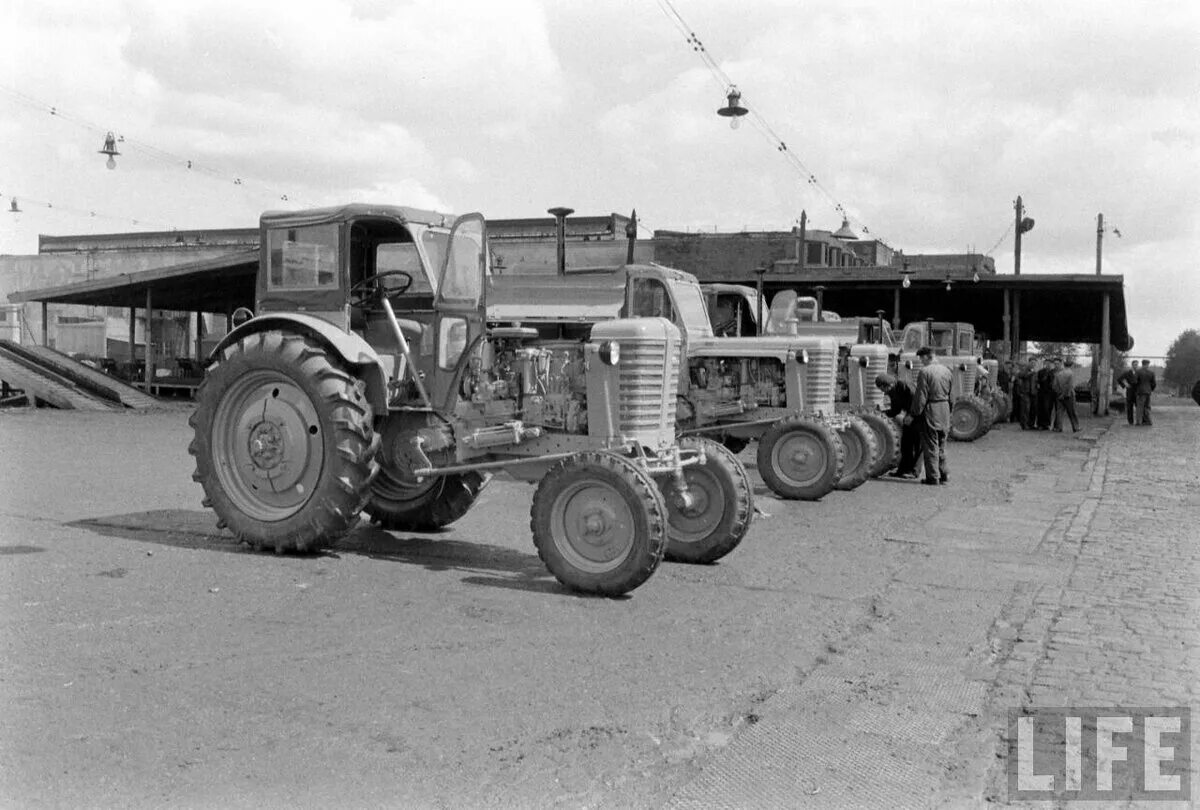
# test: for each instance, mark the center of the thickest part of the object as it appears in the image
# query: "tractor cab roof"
(352, 211)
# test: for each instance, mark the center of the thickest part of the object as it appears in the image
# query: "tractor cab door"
(459, 305)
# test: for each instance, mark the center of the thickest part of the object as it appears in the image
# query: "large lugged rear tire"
(397, 505)
(723, 504)
(283, 442)
(599, 523)
(887, 436)
(861, 451)
(800, 458)
(970, 418)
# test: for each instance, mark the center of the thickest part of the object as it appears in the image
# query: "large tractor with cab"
(370, 380)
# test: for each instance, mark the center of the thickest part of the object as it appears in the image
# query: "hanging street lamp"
(733, 109)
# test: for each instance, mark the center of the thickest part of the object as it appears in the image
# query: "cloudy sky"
(924, 121)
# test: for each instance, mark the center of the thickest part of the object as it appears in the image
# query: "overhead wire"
(760, 123)
(161, 155)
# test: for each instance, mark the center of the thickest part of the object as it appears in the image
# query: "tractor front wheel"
(714, 516)
(970, 418)
(599, 523)
(800, 458)
(861, 450)
(887, 436)
(283, 442)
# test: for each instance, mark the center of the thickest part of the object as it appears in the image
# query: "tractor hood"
(778, 347)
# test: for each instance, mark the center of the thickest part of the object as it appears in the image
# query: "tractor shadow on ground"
(485, 564)
(488, 565)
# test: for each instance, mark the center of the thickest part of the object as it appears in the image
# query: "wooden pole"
(132, 339)
(45, 324)
(1104, 376)
(1012, 353)
(896, 308)
(1017, 321)
(802, 249)
(1017, 239)
(149, 338)
(1099, 239)
(199, 336)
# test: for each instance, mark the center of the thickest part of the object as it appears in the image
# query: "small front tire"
(718, 517)
(599, 523)
(800, 458)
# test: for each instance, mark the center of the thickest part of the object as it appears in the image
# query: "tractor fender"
(349, 346)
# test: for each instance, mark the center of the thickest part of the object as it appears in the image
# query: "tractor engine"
(754, 381)
(541, 383)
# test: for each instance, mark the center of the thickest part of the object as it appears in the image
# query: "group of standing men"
(924, 416)
(1139, 383)
(1042, 392)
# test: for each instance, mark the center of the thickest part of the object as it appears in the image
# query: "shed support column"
(149, 338)
(1016, 322)
(1104, 377)
(896, 308)
(199, 336)
(45, 324)
(1008, 344)
(132, 339)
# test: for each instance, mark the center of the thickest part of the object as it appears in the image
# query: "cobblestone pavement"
(1076, 586)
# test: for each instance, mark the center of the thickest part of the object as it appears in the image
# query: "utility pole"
(1023, 224)
(1099, 239)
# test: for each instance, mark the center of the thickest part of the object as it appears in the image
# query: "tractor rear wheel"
(969, 419)
(800, 458)
(722, 503)
(861, 451)
(887, 436)
(398, 505)
(283, 442)
(599, 523)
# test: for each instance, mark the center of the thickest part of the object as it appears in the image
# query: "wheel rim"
(268, 447)
(593, 527)
(854, 450)
(697, 521)
(398, 493)
(965, 421)
(799, 458)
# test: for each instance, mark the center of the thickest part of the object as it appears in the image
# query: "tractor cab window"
(402, 256)
(941, 341)
(649, 299)
(912, 340)
(692, 313)
(303, 258)
(966, 342)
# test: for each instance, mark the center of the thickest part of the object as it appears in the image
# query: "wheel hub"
(266, 445)
(594, 523)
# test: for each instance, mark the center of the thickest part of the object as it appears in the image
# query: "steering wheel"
(363, 292)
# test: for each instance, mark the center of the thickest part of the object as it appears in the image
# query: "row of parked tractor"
(387, 371)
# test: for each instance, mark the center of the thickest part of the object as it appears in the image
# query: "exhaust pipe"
(560, 233)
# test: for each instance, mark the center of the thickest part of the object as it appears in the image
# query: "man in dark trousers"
(1128, 381)
(1145, 385)
(900, 400)
(1064, 392)
(1025, 394)
(931, 407)
(1045, 394)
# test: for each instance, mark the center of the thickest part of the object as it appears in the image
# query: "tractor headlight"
(610, 352)
(862, 361)
(908, 364)
(962, 366)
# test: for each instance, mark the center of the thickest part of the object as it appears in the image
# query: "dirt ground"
(148, 661)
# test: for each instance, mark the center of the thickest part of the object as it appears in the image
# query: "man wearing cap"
(1064, 391)
(1024, 394)
(1128, 381)
(900, 397)
(931, 407)
(1145, 385)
